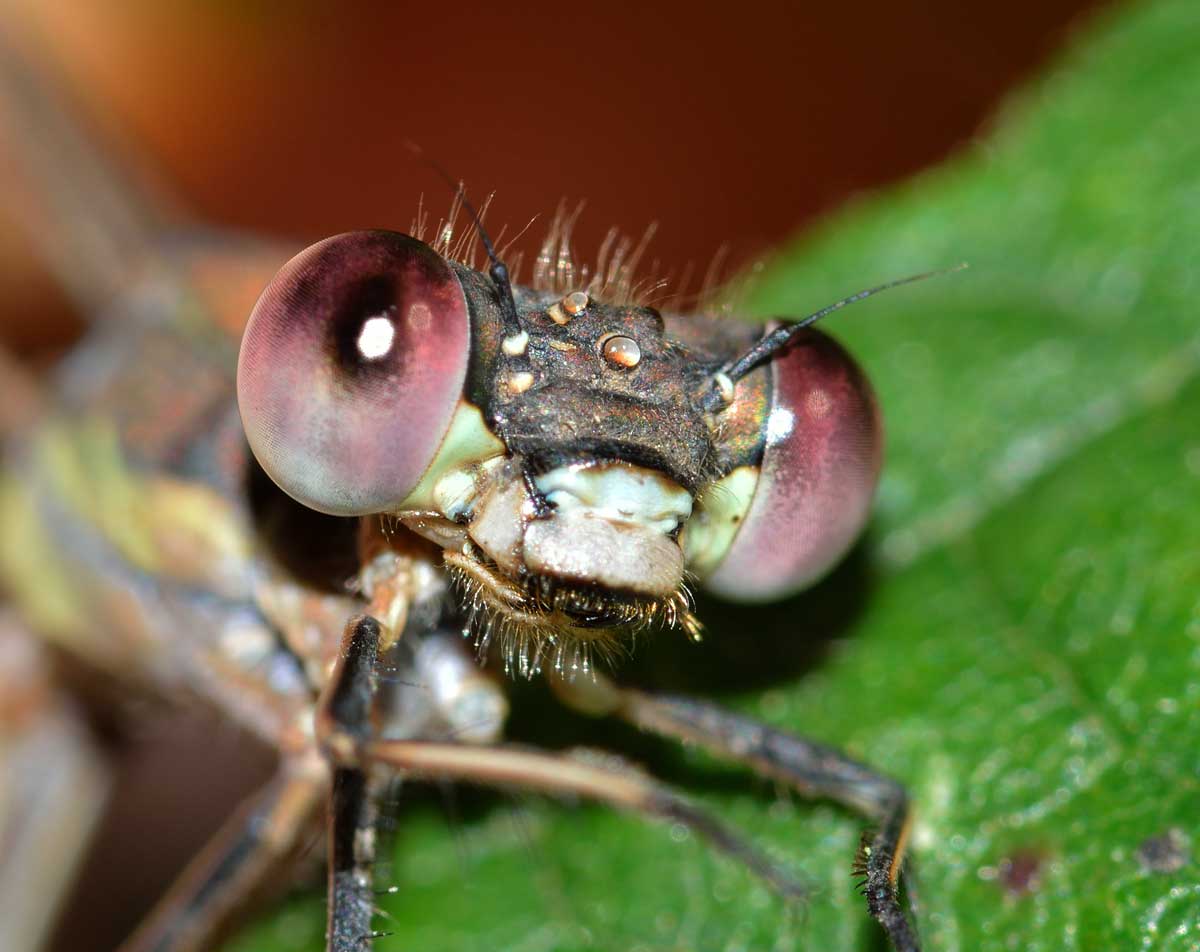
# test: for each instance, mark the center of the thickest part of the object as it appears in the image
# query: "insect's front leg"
(347, 702)
(346, 733)
(273, 826)
(812, 769)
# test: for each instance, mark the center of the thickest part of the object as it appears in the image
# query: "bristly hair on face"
(517, 619)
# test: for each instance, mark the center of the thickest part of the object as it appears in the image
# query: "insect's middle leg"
(812, 769)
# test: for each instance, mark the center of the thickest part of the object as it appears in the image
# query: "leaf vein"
(1035, 453)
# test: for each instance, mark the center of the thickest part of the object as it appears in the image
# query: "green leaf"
(1018, 639)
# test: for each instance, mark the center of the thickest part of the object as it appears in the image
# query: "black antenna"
(497, 269)
(778, 339)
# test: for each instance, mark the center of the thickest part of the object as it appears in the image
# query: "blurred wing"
(96, 214)
(54, 785)
(92, 222)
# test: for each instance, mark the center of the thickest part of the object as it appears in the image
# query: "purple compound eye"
(824, 446)
(351, 369)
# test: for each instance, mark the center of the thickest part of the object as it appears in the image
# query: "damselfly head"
(567, 454)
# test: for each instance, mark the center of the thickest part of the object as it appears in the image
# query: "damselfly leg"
(813, 770)
(344, 731)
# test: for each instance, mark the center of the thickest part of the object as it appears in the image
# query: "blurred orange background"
(731, 124)
(727, 124)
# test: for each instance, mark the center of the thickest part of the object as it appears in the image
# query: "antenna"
(777, 340)
(497, 269)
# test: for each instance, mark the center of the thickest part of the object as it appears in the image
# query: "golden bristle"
(529, 634)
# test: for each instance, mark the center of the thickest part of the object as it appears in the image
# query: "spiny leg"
(251, 847)
(812, 769)
(353, 817)
(344, 732)
(353, 805)
(604, 780)
(353, 808)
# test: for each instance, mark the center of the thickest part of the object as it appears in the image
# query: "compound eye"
(824, 446)
(351, 368)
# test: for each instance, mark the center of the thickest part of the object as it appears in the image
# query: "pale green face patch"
(447, 482)
(719, 513)
(617, 492)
